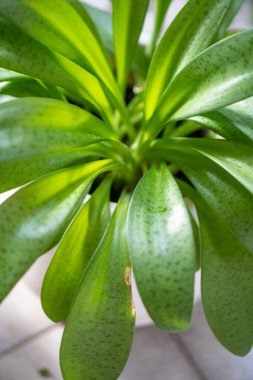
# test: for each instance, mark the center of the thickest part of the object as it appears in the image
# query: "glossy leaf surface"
(219, 76)
(226, 290)
(33, 220)
(128, 19)
(74, 253)
(99, 331)
(41, 135)
(191, 32)
(162, 250)
(69, 36)
(22, 54)
(224, 192)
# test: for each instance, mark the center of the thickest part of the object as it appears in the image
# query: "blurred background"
(29, 342)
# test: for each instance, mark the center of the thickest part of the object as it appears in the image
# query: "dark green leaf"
(99, 331)
(161, 248)
(73, 254)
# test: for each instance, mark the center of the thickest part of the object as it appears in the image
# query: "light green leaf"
(7, 75)
(128, 19)
(161, 248)
(59, 27)
(38, 136)
(235, 158)
(103, 23)
(223, 126)
(22, 54)
(33, 220)
(229, 16)
(160, 13)
(99, 331)
(74, 252)
(241, 114)
(219, 76)
(191, 32)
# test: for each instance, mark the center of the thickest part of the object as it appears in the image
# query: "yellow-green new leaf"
(23, 54)
(74, 253)
(219, 76)
(162, 250)
(33, 220)
(99, 331)
(191, 32)
(128, 19)
(59, 27)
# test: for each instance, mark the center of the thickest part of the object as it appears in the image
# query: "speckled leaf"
(219, 76)
(235, 158)
(34, 219)
(22, 54)
(69, 36)
(226, 284)
(38, 136)
(128, 19)
(99, 331)
(227, 293)
(74, 252)
(217, 122)
(241, 114)
(222, 191)
(162, 250)
(191, 32)
(232, 11)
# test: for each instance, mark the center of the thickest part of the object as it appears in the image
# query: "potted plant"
(163, 130)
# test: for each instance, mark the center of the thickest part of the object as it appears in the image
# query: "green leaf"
(160, 13)
(241, 114)
(162, 250)
(24, 87)
(235, 158)
(226, 291)
(99, 331)
(22, 54)
(103, 22)
(7, 75)
(223, 189)
(219, 76)
(229, 16)
(128, 19)
(33, 220)
(74, 252)
(191, 32)
(69, 36)
(223, 126)
(226, 284)
(38, 136)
